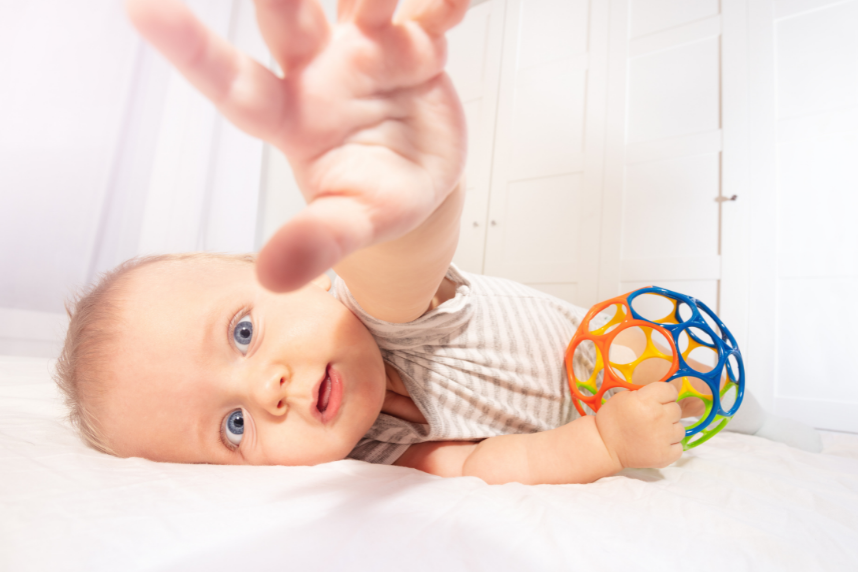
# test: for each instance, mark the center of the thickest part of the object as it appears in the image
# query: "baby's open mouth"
(325, 391)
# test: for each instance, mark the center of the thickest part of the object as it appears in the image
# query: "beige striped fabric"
(487, 362)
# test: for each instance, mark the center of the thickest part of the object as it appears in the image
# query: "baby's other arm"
(633, 429)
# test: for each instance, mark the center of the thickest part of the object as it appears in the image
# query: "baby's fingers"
(295, 30)
(660, 392)
(369, 13)
(329, 229)
(245, 92)
(673, 455)
(434, 16)
(678, 433)
(674, 412)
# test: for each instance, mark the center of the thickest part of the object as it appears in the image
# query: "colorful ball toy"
(654, 334)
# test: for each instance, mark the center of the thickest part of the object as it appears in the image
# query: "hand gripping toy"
(622, 343)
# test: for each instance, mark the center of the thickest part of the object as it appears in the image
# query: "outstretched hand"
(369, 121)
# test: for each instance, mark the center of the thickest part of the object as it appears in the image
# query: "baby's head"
(186, 358)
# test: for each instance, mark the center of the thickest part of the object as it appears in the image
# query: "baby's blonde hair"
(94, 326)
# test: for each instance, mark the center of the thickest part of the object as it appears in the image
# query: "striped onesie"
(487, 362)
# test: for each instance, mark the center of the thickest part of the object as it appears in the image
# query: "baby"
(204, 358)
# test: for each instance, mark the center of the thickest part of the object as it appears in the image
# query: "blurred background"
(702, 145)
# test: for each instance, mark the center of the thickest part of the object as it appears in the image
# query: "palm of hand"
(375, 120)
(365, 114)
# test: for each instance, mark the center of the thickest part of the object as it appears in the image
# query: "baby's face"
(213, 368)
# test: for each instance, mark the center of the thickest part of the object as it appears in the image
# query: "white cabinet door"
(661, 216)
(474, 62)
(546, 176)
(804, 240)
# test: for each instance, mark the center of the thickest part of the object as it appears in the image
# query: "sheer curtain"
(105, 153)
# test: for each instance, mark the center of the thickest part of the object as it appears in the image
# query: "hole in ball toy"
(694, 439)
(628, 345)
(694, 398)
(700, 336)
(654, 307)
(693, 409)
(661, 344)
(710, 321)
(621, 354)
(685, 313)
(682, 342)
(690, 385)
(732, 369)
(702, 359)
(650, 370)
(584, 361)
(728, 398)
(604, 317)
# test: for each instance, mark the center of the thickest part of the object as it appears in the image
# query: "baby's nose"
(272, 393)
(280, 403)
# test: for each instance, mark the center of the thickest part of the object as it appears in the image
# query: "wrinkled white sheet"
(736, 503)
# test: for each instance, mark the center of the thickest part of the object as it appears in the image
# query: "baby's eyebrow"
(213, 318)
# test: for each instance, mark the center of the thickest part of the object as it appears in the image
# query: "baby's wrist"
(606, 436)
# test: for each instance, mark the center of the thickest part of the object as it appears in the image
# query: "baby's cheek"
(345, 326)
(315, 449)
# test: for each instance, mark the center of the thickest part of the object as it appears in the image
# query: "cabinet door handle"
(494, 223)
(725, 199)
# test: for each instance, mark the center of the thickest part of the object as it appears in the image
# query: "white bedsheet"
(736, 503)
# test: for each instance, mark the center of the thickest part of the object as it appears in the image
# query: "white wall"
(67, 74)
(105, 153)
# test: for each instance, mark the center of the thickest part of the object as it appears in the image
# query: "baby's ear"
(322, 282)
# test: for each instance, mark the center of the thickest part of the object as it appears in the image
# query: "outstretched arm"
(365, 115)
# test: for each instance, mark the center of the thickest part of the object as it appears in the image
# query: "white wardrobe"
(802, 238)
(595, 144)
(704, 146)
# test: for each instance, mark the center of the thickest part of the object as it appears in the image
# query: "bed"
(736, 503)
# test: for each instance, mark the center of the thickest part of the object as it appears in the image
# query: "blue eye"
(233, 427)
(242, 334)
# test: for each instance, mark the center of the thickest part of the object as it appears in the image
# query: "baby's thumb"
(324, 233)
